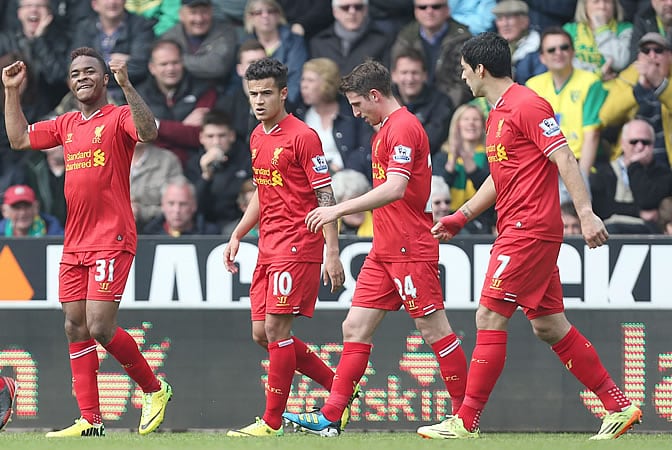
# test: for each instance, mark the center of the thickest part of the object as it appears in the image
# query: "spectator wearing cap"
(513, 24)
(643, 90)
(601, 37)
(657, 18)
(22, 217)
(208, 45)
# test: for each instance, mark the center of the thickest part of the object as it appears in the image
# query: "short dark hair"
(91, 52)
(216, 117)
(411, 53)
(249, 45)
(268, 68)
(163, 43)
(491, 51)
(366, 76)
(553, 30)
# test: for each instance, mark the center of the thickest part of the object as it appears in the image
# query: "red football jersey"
(521, 133)
(97, 154)
(401, 229)
(288, 165)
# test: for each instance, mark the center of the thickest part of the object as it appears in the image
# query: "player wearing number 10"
(403, 265)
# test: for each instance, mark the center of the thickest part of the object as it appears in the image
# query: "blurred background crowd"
(604, 65)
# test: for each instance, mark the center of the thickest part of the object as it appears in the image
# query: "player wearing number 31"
(403, 265)
(100, 239)
(525, 150)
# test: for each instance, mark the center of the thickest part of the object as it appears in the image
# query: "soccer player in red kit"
(292, 177)
(526, 150)
(100, 238)
(403, 265)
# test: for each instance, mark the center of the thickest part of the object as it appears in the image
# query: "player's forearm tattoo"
(325, 198)
(143, 118)
(466, 211)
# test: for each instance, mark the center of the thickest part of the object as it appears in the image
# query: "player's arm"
(393, 189)
(333, 269)
(15, 121)
(450, 225)
(592, 228)
(143, 118)
(247, 222)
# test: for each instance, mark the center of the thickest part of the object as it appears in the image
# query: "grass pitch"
(15, 440)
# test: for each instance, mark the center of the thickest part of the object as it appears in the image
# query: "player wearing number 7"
(403, 265)
(526, 150)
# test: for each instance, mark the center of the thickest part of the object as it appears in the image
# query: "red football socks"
(125, 350)
(84, 365)
(580, 358)
(282, 364)
(487, 363)
(351, 367)
(311, 365)
(453, 367)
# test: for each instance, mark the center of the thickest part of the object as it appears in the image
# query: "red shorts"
(93, 275)
(388, 285)
(285, 288)
(523, 272)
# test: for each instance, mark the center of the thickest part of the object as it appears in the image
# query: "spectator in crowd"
(440, 198)
(163, 13)
(439, 37)
(345, 139)
(265, 21)
(390, 16)
(117, 34)
(307, 17)
(247, 190)
(627, 191)
(229, 10)
(218, 170)
(22, 217)
(601, 37)
(476, 14)
(151, 166)
(348, 184)
(665, 216)
(513, 24)
(45, 174)
(576, 97)
(208, 46)
(68, 13)
(462, 163)
(545, 13)
(432, 107)
(642, 90)
(179, 212)
(236, 102)
(178, 100)
(40, 41)
(352, 38)
(655, 19)
(570, 220)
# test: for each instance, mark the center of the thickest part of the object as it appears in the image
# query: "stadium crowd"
(603, 65)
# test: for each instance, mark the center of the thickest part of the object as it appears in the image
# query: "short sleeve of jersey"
(591, 106)
(126, 120)
(402, 142)
(311, 157)
(45, 134)
(540, 126)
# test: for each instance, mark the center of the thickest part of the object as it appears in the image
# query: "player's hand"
(120, 71)
(448, 226)
(230, 252)
(593, 230)
(333, 270)
(13, 75)
(321, 216)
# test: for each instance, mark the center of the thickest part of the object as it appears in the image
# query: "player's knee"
(260, 338)
(101, 332)
(546, 333)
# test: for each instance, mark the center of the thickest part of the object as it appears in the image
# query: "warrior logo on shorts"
(550, 127)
